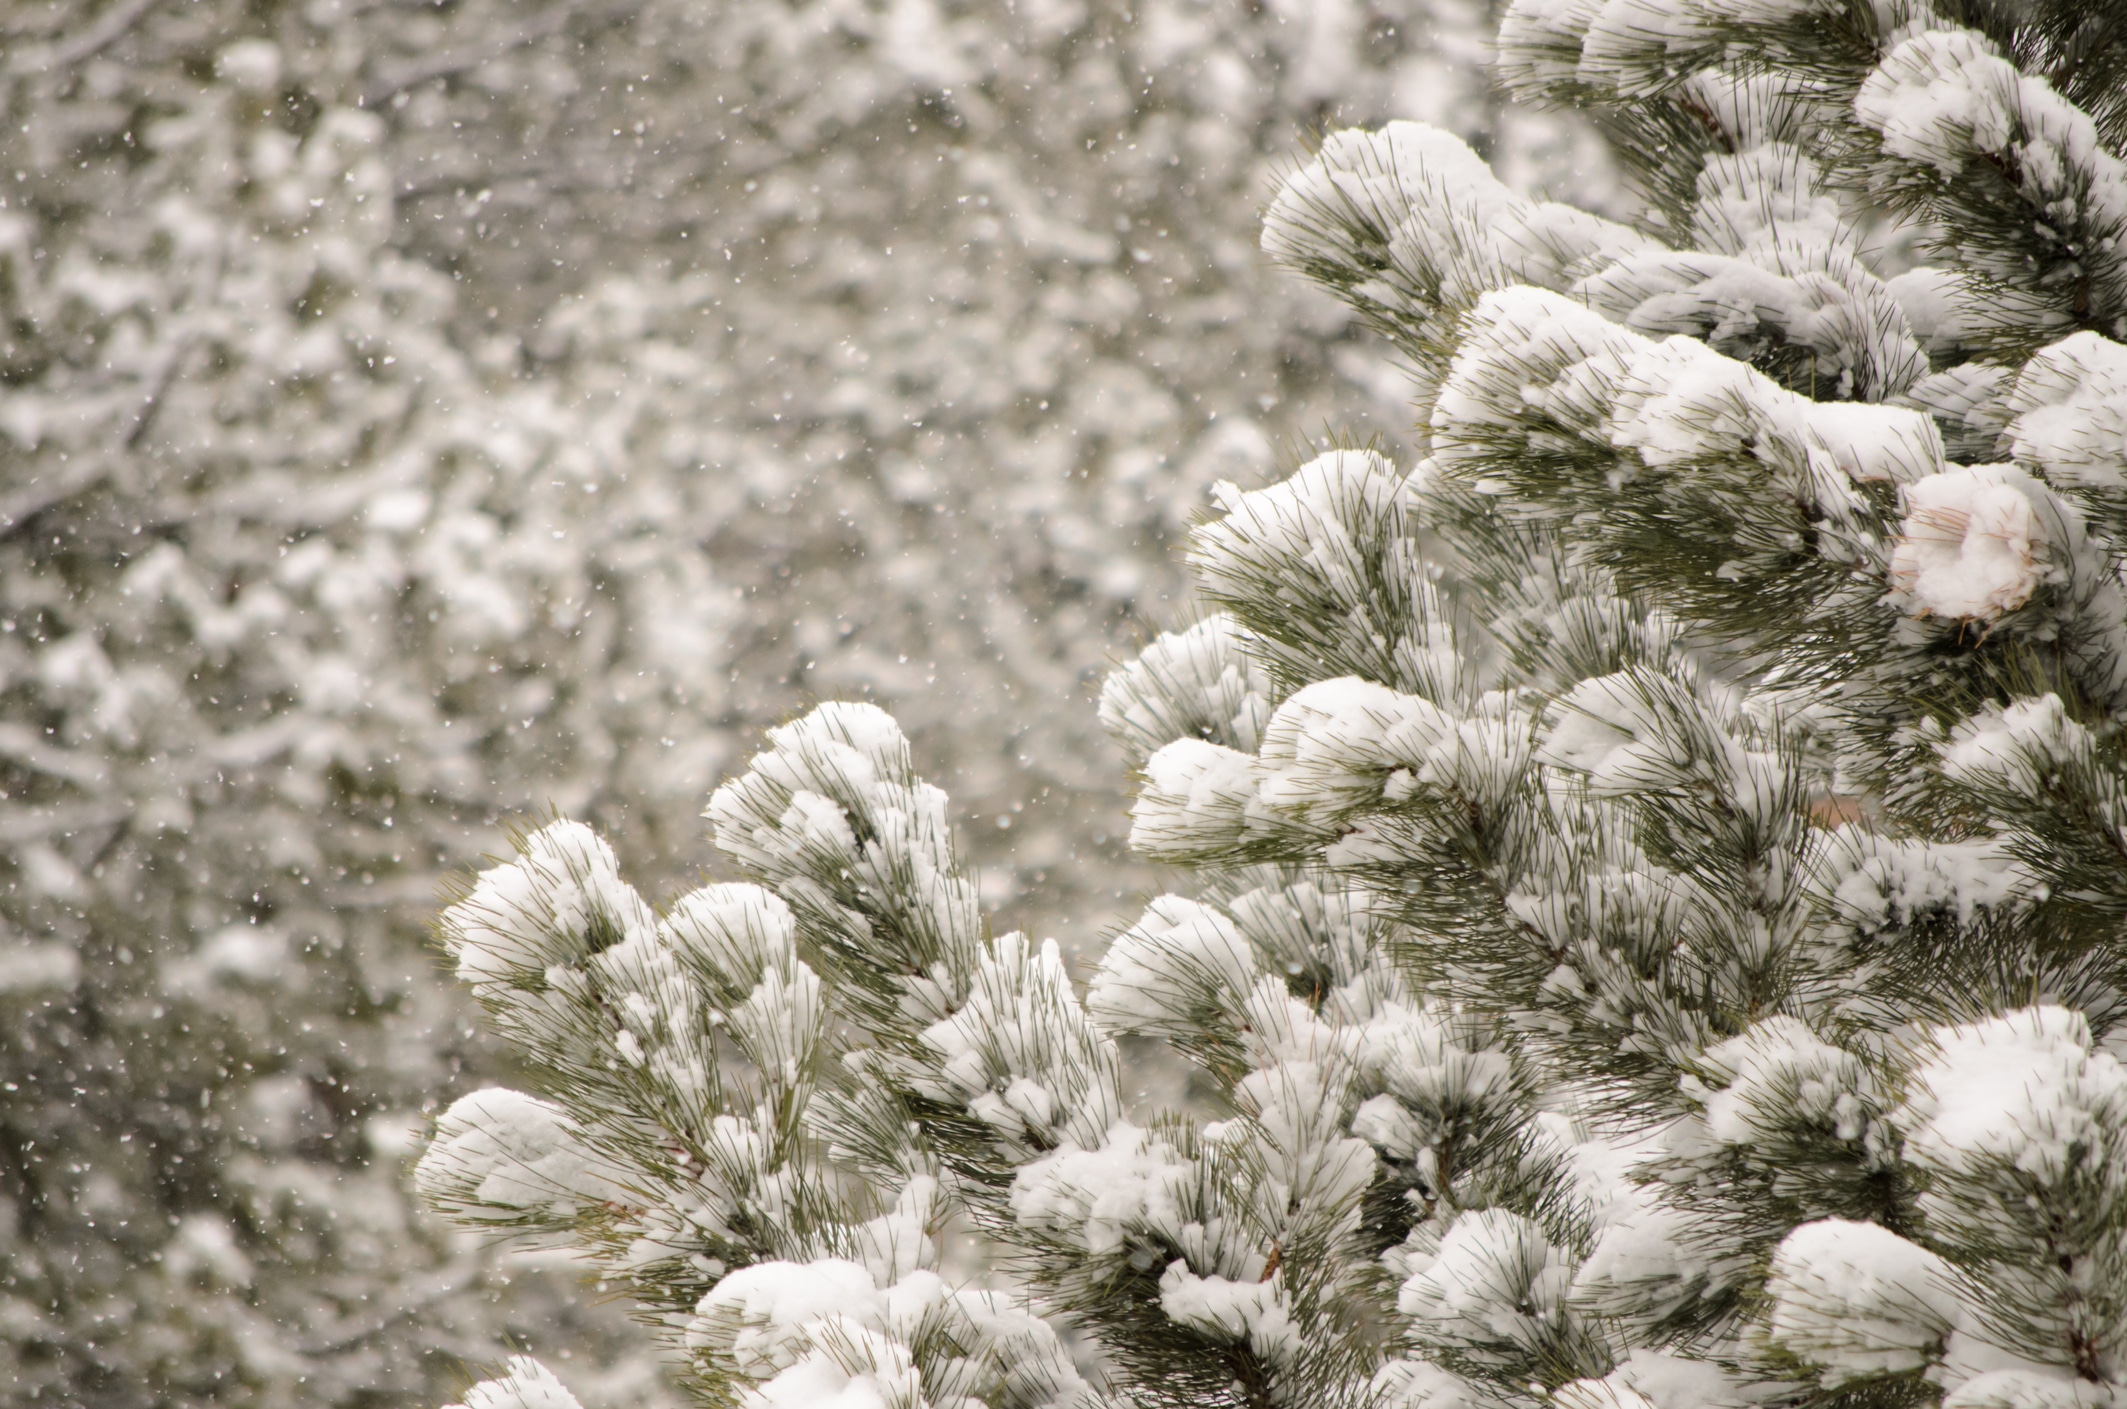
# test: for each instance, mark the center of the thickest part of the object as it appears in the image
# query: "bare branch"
(398, 78)
(109, 28)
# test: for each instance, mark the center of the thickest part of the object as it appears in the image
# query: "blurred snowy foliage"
(1655, 931)
(416, 416)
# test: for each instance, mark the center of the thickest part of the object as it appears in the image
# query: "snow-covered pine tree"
(372, 378)
(284, 622)
(1658, 940)
(979, 283)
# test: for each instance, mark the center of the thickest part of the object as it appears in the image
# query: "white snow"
(1646, 1256)
(1779, 1075)
(1653, 1379)
(1974, 545)
(1197, 795)
(1383, 1122)
(1531, 357)
(2018, 745)
(1806, 287)
(1856, 1299)
(1415, 1054)
(1388, 177)
(1540, 40)
(1495, 1278)
(818, 1383)
(1157, 976)
(853, 1367)
(762, 1316)
(498, 1154)
(1879, 881)
(1429, 204)
(1420, 1384)
(204, 1252)
(1019, 1054)
(1202, 683)
(1100, 1197)
(1528, 350)
(2030, 1388)
(1224, 1309)
(1629, 731)
(1314, 522)
(2069, 404)
(2024, 1091)
(1766, 196)
(1298, 1138)
(539, 910)
(1945, 97)
(791, 819)
(1608, 728)
(738, 930)
(829, 1332)
(1682, 403)
(525, 1384)
(1331, 746)
(900, 1242)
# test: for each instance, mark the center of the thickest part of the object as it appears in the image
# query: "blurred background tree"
(417, 416)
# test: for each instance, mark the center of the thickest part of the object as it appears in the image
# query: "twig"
(109, 28)
(551, 21)
(342, 1337)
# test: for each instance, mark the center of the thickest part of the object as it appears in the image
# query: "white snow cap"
(1420, 1384)
(1423, 197)
(1977, 541)
(1134, 1181)
(542, 908)
(1530, 358)
(1251, 1312)
(2017, 745)
(1652, 1379)
(1307, 523)
(2025, 1091)
(1018, 1054)
(858, 1369)
(1161, 972)
(1856, 1299)
(1333, 745)
(1780, 1074)
(790, 800)
(762, 1316)
(1496, 1277)
(1198, 683)
(829, 1334)
(525, 1384)
(1387, 177)
(1197, 796)
(2070, 408)
(1878, 881)
(499, 1154)
(1680, 402)
(1945, 96)
(737, 929)
(2030, 1389)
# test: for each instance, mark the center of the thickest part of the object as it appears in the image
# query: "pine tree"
(285, 624)
(979, 283)
(1659, 856)
(414, 413)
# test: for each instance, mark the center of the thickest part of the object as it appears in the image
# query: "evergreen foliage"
(414, 414)
(1657, 935)
(280, 612)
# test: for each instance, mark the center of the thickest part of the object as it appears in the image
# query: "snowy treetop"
(1655, 939)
